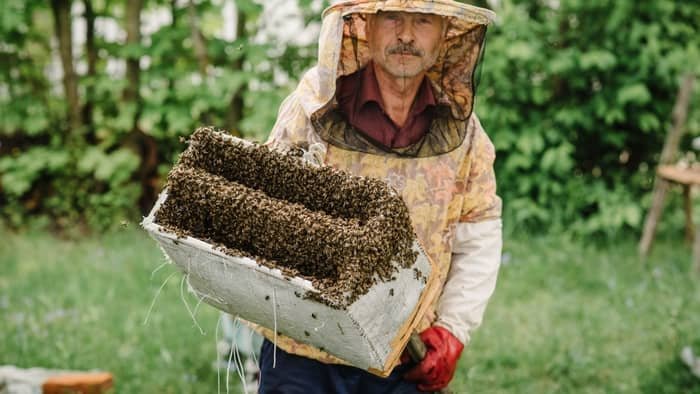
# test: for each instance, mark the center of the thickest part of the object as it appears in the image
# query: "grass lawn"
(570, 317)
(567, 316)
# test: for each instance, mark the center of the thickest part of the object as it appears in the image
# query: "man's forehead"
(408, 13)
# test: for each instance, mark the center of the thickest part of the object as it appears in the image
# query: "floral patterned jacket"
(446, 179)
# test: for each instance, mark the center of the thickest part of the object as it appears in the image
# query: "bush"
(577, 99)
(115, 162)
(575, 94)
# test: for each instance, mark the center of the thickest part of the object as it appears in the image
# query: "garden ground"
(568, 316)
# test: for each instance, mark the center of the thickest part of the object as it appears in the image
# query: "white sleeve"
(476, 257)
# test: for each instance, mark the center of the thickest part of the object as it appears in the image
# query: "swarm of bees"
(342, 232)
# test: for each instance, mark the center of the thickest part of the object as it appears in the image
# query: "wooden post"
(660, 188)
(670, 149)
(61, 10)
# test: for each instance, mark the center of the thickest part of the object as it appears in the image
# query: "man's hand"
(438, 367)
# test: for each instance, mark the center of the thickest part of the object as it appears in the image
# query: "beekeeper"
(392, 97)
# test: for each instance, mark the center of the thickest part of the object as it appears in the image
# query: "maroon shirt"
(360, 101)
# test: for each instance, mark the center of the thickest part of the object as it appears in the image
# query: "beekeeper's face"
(404, 44)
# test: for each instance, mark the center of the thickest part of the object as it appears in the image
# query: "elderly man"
(392, 98)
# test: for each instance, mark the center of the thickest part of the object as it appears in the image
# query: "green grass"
(82, 305)
(570, 317)
(567, 317)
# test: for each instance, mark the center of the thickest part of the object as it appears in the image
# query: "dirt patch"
(340, 231)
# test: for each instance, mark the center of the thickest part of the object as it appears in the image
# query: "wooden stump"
(50, 381)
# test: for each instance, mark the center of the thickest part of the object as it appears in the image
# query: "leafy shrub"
(575, 94)
(103, 173)
(577, 98)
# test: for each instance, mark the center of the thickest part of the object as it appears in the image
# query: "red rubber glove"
(438, 367)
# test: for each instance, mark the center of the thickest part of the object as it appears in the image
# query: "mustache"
(401, 48)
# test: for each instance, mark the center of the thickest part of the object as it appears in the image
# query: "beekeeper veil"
(343, 49)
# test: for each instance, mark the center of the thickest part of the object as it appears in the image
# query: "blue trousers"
(300, 375)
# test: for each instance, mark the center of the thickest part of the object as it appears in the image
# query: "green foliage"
(577, 99)
(576, 96)
(20, 173)
(100, 176)
(47, 181)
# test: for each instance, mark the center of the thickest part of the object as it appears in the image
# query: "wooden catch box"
(370, 333)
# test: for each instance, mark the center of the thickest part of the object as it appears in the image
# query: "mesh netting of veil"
(455, 73)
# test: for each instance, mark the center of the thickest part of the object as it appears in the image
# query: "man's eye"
(425, 21)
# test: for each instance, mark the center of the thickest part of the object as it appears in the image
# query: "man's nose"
(405, 33)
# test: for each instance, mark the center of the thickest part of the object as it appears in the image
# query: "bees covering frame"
(342, 232)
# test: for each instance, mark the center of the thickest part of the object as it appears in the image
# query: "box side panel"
(234, 286)
(385, 310)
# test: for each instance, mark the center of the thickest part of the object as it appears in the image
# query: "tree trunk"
(200, 48)
(91, 51)
(173, 13)
(235, 110)
(133, 36)
(62, 24)
(144, 145)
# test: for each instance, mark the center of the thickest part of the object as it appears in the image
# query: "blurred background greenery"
(96, 97)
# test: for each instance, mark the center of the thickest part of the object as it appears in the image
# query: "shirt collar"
(369, 92)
